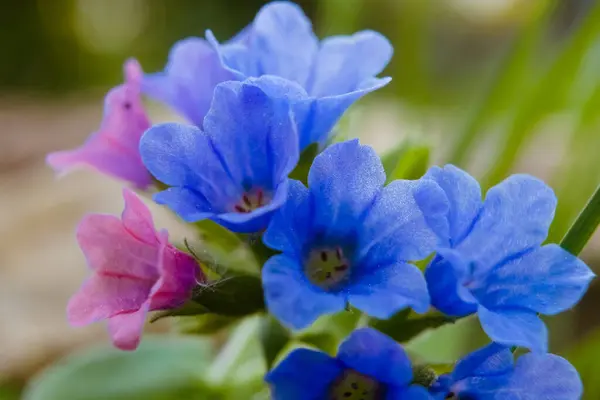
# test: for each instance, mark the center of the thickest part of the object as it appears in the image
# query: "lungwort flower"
(492, 262)
(368, 366)
(134, 270)
(347, 239)
(331, 74)
(491, 374)
(234, 170)
(113, 150)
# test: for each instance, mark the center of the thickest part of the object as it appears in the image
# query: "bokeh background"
(494, 86)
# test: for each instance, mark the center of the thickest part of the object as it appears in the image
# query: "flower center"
(327, 267)
(251, 200)
(352, 385)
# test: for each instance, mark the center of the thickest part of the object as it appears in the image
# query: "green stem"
(584, 226)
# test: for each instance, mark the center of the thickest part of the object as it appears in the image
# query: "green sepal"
(234, 295)
(424, 375)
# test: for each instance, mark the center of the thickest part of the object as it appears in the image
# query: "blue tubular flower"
(347, 239)
(492, 262)
(369, 366)
(188, 80)
(333, 73)
(491, 374)
(235, 170)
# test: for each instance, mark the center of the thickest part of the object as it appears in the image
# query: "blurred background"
(493, 86)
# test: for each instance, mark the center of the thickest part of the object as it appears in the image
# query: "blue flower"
(492, 262)
(235, 170)
(347, 239)
(491, 374)
(329, 75)
(369, 365)
(189, 79)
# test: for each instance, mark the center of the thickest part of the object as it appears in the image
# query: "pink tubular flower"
(135, 270)
(113, 150)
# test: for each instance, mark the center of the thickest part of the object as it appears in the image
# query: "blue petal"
(314, 117)
(291, 297)
(381, 292)
(253, 134)
(544, 376)
(440, 389)
(189, 205)
(464, 196)
(343, 63)
(303, 375)
(413, 392)
(536, 376)
(283, 42)
(302, 106)
(324, 112)
(444, 282)
(259, 218)
(188, 81)
(397, 226)
(514, 327)
(547, 280)
(374, 354)
(290, 226)
(183, 156)
(493, 359)
(515, 217)
(344, 181)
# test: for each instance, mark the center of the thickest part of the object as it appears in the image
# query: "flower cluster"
(370, 365)
(342, 237)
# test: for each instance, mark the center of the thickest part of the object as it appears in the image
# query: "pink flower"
(113, 150)
(134, 270)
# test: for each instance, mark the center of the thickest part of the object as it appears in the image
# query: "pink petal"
(126, 329)
(110, 249)
(179, 274)
(137, 218)
(113, 149)
(103, 296)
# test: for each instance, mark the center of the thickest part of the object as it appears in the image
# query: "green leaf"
(550, 92)
(306, 159)
(446, 343)
(391, 158)
(273, 338)
(10, 391)
(241, 360)
(584, 226)
(160, 369)
(584, 356)
(412, 162)
(327, 332)
(405, 325)
(205, 324)
(509, 77)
